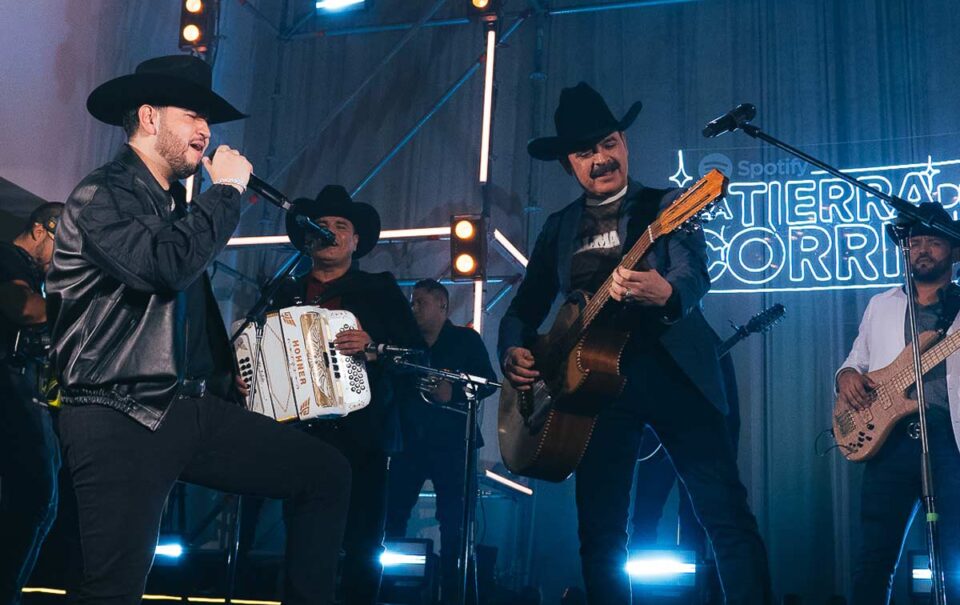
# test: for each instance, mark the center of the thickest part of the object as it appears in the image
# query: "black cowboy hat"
(582, 118)
(334, 200)
(928, 210)
(175, 80)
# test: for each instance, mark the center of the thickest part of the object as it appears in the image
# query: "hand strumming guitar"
(518, 368)
(855, 389)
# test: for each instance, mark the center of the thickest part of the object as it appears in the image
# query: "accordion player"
(301, 375)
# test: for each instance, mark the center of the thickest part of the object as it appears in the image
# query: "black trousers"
(363, 540)
(408, 472)
(122, 474)
(29, 463)
(890, 498)
(657, 478)
(695, 436)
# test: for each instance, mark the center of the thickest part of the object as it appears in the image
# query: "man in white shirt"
(891, 490)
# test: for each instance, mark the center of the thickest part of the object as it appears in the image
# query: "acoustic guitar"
(861, 434)
(544, 431)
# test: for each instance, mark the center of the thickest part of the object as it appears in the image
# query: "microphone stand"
(904, 208)
(467, 558)
(256, 315)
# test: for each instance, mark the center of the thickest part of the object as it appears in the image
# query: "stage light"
(662, 567)
(468, 247)
(191, 33)
(507, 245)
(510, 483)
(393, 559)
(487, 116)
(409, 571)
(169, 551)
(335, 6)
(487, 10)
(465, 264)
(921, 578)
(173, 550)
(198, 22)
(464, 229)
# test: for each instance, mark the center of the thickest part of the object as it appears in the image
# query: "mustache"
(605, 168)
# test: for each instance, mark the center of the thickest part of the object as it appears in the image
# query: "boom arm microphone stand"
(739, 118)
(470, 384)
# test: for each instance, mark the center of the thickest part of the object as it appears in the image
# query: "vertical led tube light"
(487, 105)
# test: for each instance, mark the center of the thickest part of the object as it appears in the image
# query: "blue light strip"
(576, 10)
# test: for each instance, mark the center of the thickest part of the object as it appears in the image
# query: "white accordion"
(301, 375)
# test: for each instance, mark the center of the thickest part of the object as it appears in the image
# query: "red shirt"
(316, 288)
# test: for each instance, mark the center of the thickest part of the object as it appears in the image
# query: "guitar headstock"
(697, 201)
(766, 319)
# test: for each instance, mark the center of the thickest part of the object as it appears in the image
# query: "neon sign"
(785, 227)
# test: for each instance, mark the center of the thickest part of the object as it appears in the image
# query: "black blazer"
(680, 257)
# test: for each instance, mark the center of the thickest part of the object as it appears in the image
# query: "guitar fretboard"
(682, 209)
(905, 378)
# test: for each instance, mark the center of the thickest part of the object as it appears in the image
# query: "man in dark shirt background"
(29, 457)
(433, 433)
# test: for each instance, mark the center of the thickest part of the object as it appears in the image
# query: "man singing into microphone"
(673, 376)
(146, 373)
(366, 437)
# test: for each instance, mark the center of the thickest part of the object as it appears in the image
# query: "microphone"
(278, 199)
(268, 193)
(730, 121)
(381, 349)
(321, 233)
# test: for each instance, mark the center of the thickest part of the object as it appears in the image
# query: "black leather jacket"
(115, 300)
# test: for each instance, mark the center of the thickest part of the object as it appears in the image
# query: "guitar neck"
(629, 261)
(940, 351)
(729, 343)
(931, 358)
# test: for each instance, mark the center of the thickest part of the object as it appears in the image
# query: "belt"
(193, 388)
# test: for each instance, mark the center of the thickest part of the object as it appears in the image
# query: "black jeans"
(123, 472)
(657, 476)
(890, 498)
(29, 463)
(695, 436)
(363, 539)
(408, 471)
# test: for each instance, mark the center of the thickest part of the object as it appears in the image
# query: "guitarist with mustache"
(891, 489)
(673, 377)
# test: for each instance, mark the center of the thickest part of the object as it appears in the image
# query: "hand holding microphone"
(228, 167)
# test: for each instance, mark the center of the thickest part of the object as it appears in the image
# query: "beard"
(174, 152)
(932, 272)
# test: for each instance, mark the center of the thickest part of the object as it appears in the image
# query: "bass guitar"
(861, 433)
(544, 431)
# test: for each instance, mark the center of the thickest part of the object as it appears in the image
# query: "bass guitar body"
(544, 431)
